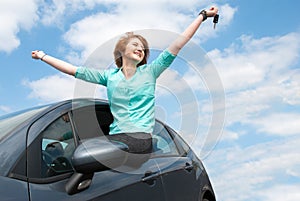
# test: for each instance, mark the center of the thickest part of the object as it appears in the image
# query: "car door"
(55, 136)
(178, 171)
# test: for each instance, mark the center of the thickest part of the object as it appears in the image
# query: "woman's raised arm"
(189, 32)
(54, 62)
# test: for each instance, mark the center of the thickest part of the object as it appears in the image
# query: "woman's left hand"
(212, 11)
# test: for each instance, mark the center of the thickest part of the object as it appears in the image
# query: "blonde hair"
(122, 43)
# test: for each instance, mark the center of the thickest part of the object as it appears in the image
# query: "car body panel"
(108, 185)
(12, 189)
(167, 175)
(179, 169)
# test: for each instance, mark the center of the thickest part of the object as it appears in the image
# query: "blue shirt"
(132, 101)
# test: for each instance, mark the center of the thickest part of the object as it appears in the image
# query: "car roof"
(43, 109)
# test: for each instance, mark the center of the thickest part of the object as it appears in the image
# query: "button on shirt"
(131, 100)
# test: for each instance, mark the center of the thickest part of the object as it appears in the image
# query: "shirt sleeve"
(92, 75)
(162, 62)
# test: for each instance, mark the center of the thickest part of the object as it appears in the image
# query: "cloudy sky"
(248, 103)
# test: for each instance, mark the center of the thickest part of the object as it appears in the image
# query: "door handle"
(150, 177)
(188, 167)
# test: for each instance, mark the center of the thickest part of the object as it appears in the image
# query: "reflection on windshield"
(11, 121)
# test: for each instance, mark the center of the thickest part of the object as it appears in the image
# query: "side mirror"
(94, 155)
(98, 154)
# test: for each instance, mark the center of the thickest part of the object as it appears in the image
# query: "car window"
(91, 121)
(57, 147)
(163, 144)
(180, 142)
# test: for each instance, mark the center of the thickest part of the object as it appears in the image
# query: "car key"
(216, 19)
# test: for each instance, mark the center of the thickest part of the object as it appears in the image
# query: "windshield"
(11, 121)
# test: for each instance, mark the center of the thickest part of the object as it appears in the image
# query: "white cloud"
(280, 192)
(15, 16)
(122, 16)
(256, 60)
(256, 84)
(55, 12)
(172, 82)
(254, 170)
(88, 33)
(116, 17)
(61, 87)
(262, 92)
(258, 76)
(5, 109)
(252, 90)
(290, 88)
(282, 124)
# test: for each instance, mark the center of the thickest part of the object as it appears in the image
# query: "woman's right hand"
(37, 54)
(54, 62)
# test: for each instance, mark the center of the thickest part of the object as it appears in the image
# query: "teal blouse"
(132, 101)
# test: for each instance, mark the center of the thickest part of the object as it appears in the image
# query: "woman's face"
(134, 50)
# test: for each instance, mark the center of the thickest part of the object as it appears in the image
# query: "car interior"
(58, 143)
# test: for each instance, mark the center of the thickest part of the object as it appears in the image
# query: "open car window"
(91, 121)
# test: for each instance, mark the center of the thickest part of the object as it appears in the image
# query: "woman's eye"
(136, 45)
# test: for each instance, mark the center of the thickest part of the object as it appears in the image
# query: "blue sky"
(255, 50)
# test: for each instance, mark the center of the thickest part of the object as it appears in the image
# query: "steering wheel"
(56, 165)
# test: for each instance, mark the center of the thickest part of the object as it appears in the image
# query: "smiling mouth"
(138, 54)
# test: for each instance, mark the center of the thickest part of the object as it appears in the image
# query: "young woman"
(131, 86)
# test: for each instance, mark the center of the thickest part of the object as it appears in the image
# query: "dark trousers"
(139, 144)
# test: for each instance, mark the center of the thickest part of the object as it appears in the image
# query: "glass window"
(163, 144)
(57, 147)
(181, 144)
